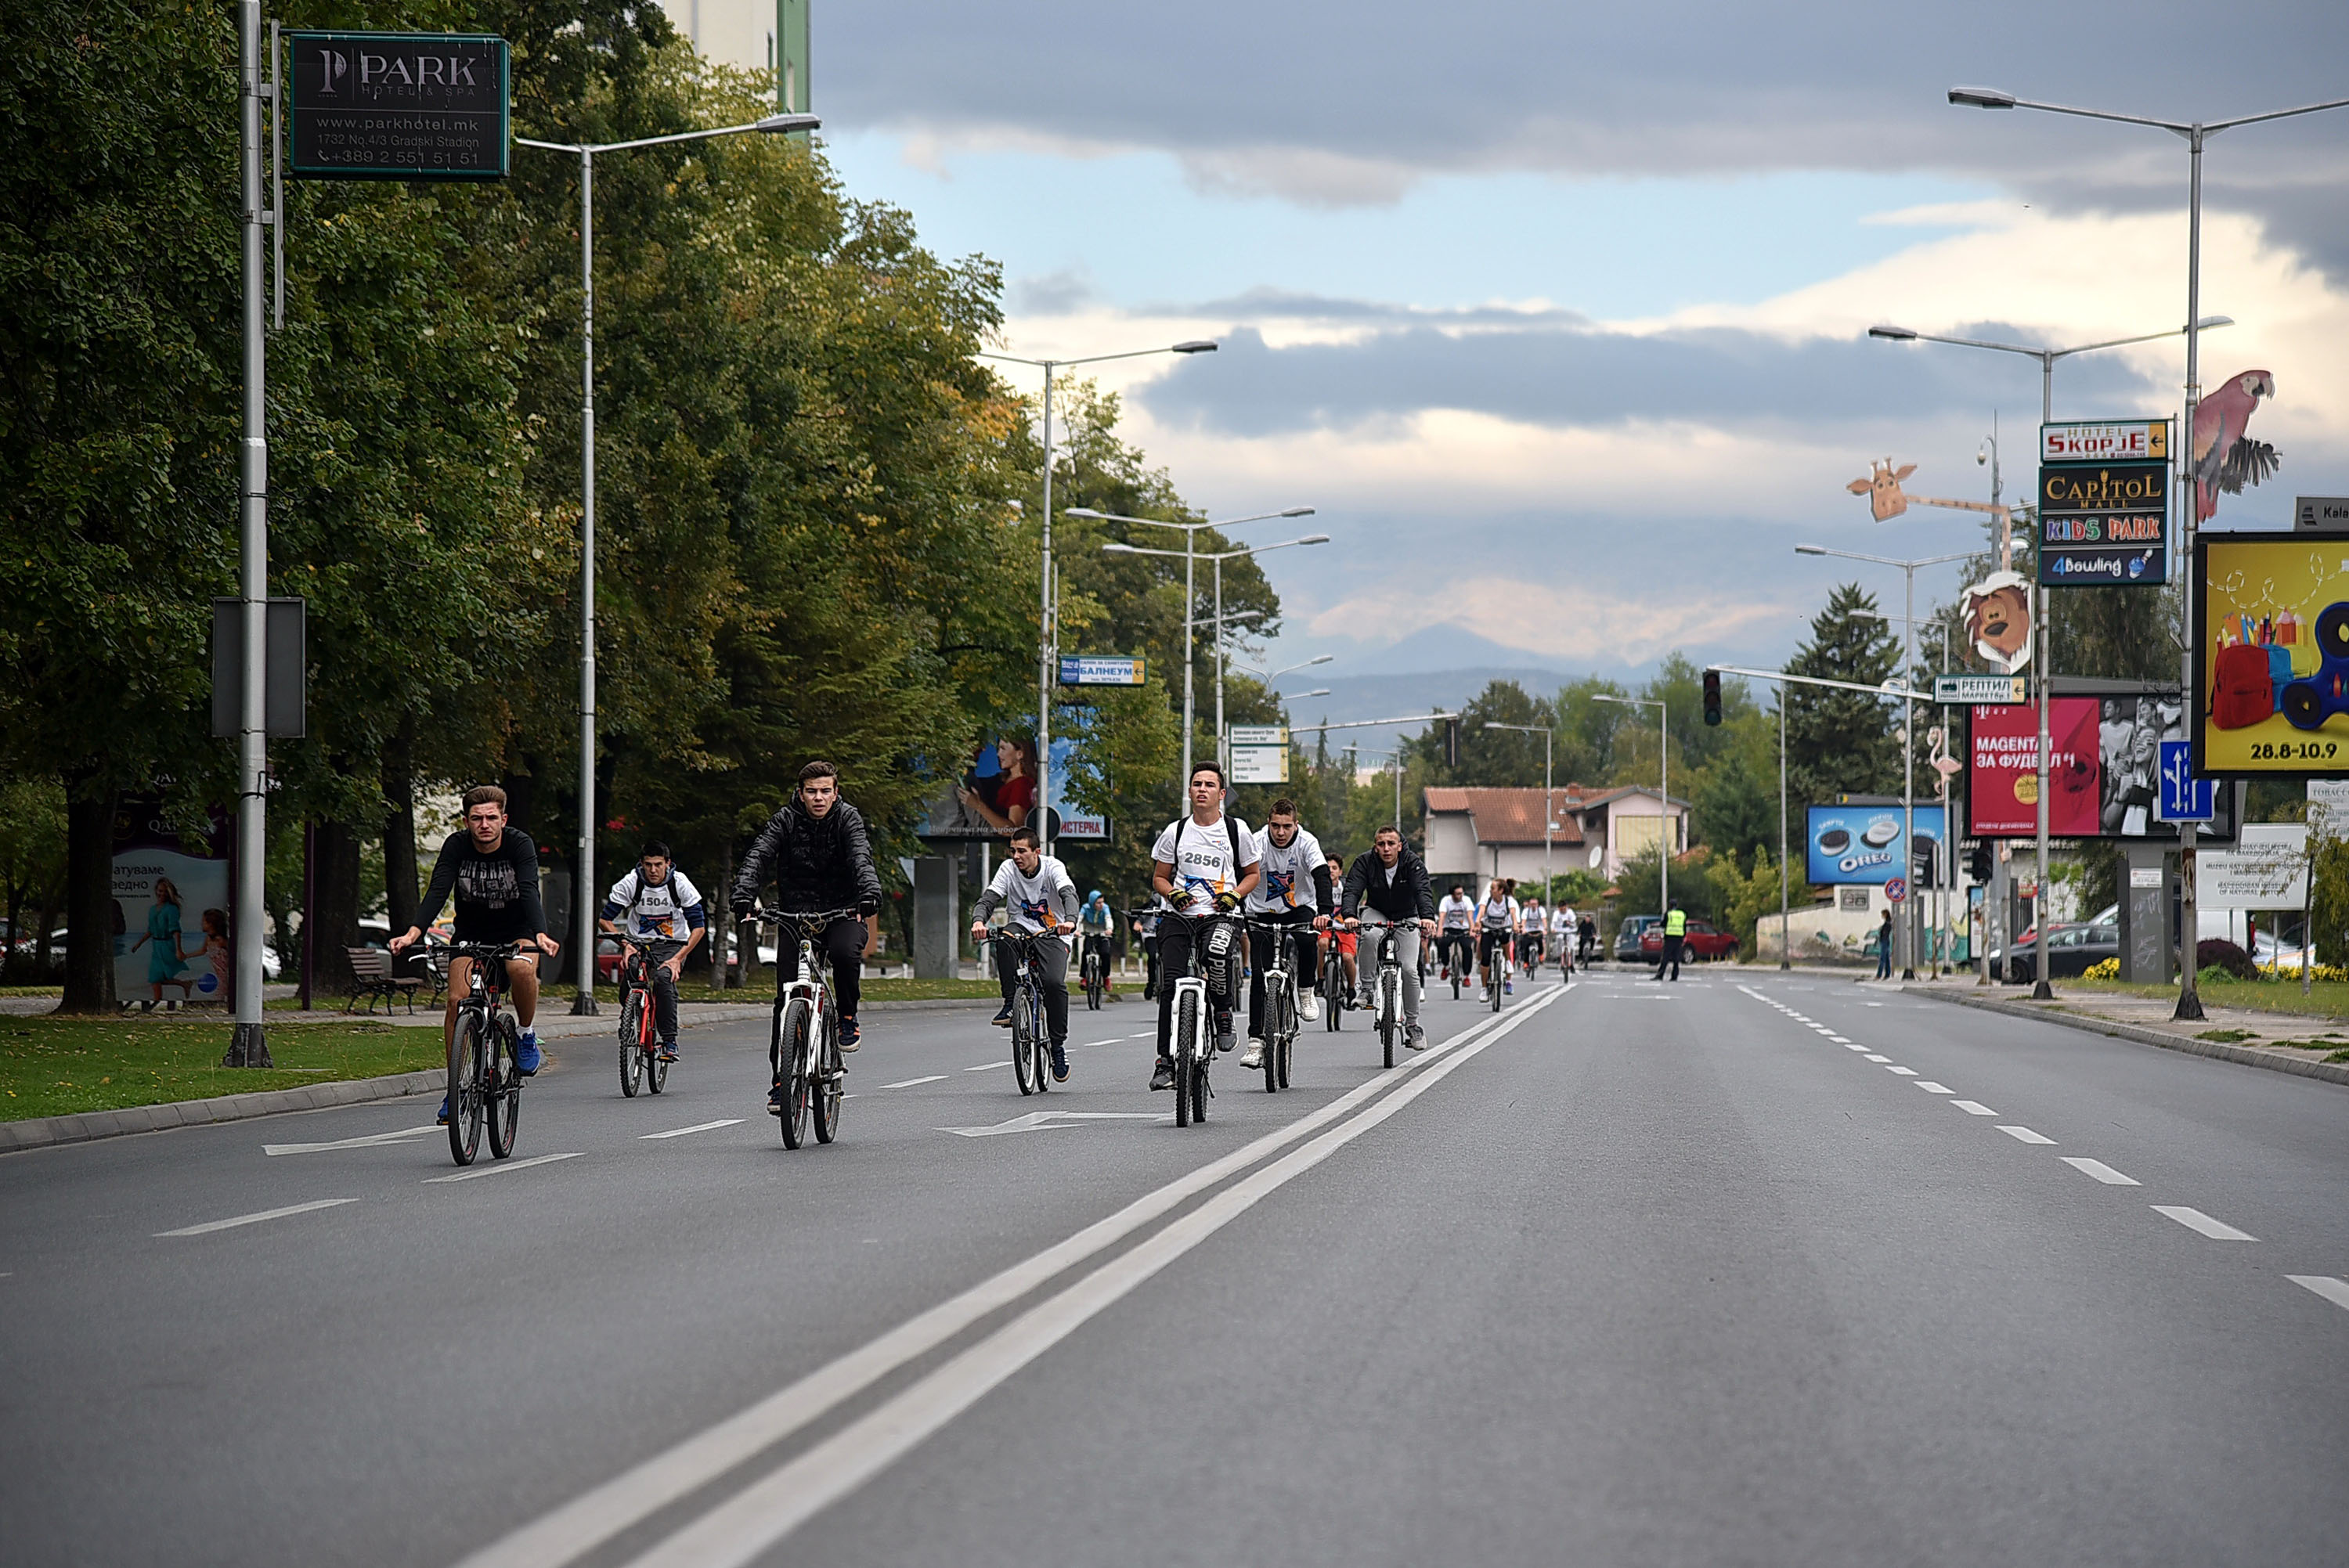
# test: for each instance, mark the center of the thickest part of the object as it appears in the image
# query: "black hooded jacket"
(816, 862)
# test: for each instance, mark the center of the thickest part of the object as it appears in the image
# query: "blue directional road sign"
(2184, 797)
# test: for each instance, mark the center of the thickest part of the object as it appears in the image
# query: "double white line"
(777, 1502)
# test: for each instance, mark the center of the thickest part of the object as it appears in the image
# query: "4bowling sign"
(2104, 504)
(2272, 655)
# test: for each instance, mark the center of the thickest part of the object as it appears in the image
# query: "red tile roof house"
(1473, 835)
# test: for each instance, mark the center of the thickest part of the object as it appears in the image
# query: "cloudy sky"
(1557, 313)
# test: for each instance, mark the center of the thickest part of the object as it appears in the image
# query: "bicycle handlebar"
(781, 917)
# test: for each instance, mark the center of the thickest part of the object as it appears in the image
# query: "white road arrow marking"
(372, 1140)
(1051, 1121)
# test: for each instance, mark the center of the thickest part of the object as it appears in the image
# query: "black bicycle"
(1456, 957)
(1278, 1027)
(641, 1062)
(803, 1042)
(1330, 983)
(1092, 970)
(485, 1076)
(1386, 987)
(1030, 1064)
(1193, 1044)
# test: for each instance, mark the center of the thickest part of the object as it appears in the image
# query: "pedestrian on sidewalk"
(1884, 948)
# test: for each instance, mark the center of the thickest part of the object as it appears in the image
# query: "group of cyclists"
(1209, 869)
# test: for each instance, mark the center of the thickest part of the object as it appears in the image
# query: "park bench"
(372, 976)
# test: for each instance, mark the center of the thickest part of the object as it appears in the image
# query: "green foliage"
(1842, 742)
(1742, 899)
(1692, 884)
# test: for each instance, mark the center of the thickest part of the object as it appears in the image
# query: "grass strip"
(61, 1066)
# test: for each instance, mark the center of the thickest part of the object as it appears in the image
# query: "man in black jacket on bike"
(817, 853)
(1393, 881)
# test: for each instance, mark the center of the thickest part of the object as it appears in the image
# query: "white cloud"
(1566, 623)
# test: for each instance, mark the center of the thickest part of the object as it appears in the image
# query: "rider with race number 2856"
(1203, 864)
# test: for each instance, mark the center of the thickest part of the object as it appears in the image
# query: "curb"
(89, 1125)
(2329, 1072)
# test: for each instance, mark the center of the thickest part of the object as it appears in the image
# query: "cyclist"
(1391, 880)
(1338, 943)
(492, 870)
(1095, 925)
(1295, 891)
(1564, 930)
(1457, 914)
(1144, 923)
(1037, 897)
(1533, 925)
(1497, 928)
(665, 919)
(817, 853)
(1203, 864)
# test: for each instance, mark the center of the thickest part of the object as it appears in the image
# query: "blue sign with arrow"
(2184, 797)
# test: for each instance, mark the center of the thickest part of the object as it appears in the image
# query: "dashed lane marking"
(2336, 1290)
(1973, 1108)
(209, 1226)
(1930, 1086)
(2195, 1219)
(697, 1127)
(986, 1066)
(2109, 1176)
(372, 1140)
(468, 1175)
(1873, 1057)
(2024, 1135)
(1897, 1067)
(910, 1083)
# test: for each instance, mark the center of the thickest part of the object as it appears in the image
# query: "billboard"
(2271, 654)
(2105, 775)
(1850, 844)
(396, 105)
(996, 793)
(171, 918)
(1103, 669)
(2104, 504)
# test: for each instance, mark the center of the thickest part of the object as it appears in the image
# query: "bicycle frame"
(1018, 948)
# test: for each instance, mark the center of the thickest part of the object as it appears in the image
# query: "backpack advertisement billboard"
(2271, 654)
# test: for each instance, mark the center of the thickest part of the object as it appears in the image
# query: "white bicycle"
(1192, 1046)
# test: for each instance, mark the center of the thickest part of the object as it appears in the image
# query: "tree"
(1842, 742)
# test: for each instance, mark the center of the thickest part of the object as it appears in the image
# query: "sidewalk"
(2281, 1042)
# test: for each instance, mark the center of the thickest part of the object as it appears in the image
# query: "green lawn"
(55, 1067)
(2327, 998)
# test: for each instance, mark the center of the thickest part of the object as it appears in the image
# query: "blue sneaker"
(1060, 1063)
(526, 1056)
(442, 1120)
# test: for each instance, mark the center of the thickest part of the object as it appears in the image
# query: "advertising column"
(172, 928)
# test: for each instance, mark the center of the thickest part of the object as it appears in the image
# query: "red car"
(1701, 942)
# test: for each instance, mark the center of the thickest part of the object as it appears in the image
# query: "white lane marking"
(1973, 1108)
(508, 1165)
(1053, 1121)
(2333, 1290)
(1897, 1067)
(594, 1517)
(697, 1127)
(1873, 1057)
(2195, 1219)
(372, 1140)
(2024, 1135)
(1879, 1003)
(1114, 1039)
(910, 1083)
(1853, 1045)
(2102, 1172)
(209, 1226)
(1927, 1084)
(1840, 1039)
(986, 1066)
(748, 1525)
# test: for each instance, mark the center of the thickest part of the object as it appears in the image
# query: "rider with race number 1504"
(1040, 900)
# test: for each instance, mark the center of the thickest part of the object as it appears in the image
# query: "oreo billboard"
(1849, 844)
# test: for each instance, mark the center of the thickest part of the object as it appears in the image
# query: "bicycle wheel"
(791, 1041)
(1199, 1090)
(504, 1093)
(1389, 1013)
(632, 1051)
(656, 1069)
(1275, 1024)
(464, 1100)
(1025, 1067)
(826, 1084)
(1333, 991)
(1186, 1028)
(1040, 1032)
(1288, 1035)
(1500, 978)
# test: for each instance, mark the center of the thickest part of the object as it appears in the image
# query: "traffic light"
(1921, 861)
(1712, 697)
(1979, 866)
(1452, 743)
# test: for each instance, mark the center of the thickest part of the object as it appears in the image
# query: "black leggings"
(842, 942)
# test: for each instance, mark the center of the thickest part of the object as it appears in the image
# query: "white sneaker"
(1309, 1007)
(1253, 1056)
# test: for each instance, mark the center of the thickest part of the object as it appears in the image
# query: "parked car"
(1700, 943)
(1628, 935)
(2072, 951)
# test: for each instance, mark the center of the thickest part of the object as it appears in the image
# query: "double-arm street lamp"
(2046, 356)
(1190, 554)
(583, 901)
(1664, 787)
(1908, 736)
(1548, 736)
(2194, 133)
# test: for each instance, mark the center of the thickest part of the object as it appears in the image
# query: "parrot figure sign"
(2225, 458)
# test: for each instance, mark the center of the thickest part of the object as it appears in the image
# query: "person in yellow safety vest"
(1675, 929)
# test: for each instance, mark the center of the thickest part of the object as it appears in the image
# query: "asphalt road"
(1630, 1275)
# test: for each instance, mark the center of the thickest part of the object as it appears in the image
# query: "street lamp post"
(582, 899)
(1548, 736)
(1048, 622)
(1909, 730)
(1663, 787)
(2194, 133)
(1189, 553)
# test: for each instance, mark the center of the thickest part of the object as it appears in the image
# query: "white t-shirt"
(1532, 917)
(1287, 875)
(1038, 903)
(1565, 923)
(1202, 860)
(1501, 916)
(655, 911)
(1458, 913)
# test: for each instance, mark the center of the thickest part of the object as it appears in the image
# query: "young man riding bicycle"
(1390, 879)
(1096, 925)
(1295, 891)
(1457, 915)
(492, 870)
(816, 851)
(1203, 864)
(1038, 899)
(665, 921)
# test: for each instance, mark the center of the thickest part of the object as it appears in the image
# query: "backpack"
(2243, 687)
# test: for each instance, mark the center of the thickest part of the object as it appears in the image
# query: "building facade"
(1474, 835)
